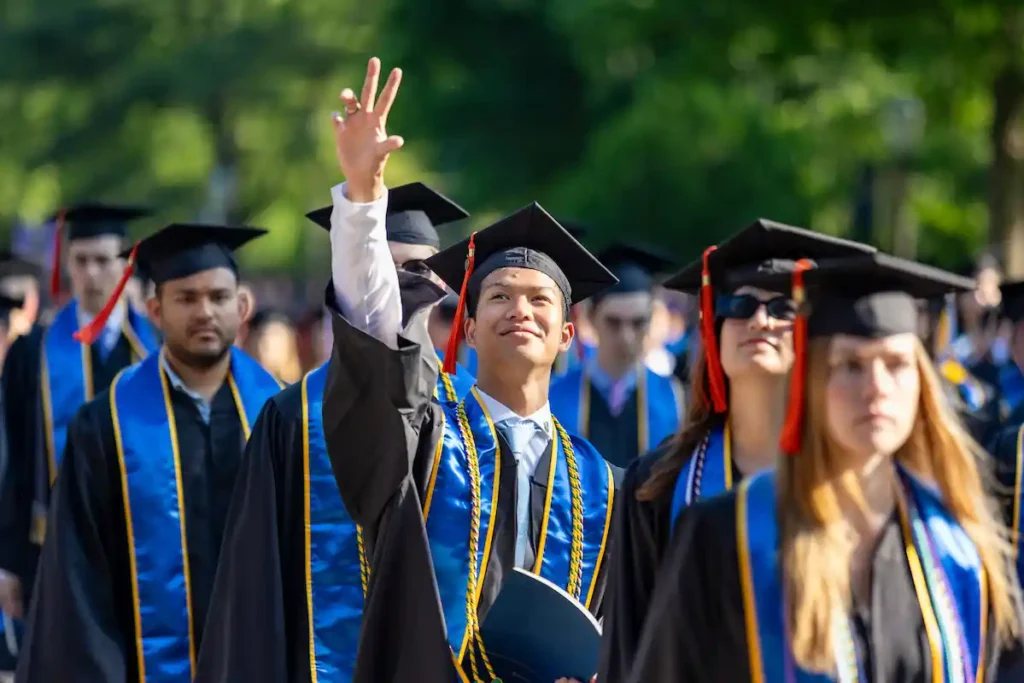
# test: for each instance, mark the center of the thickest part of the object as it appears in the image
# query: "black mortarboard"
(762, 248)
(12, 265)
(183, 249)
(873, 295)
(174, 252)
(1013, 300)
(634, 264)
(94, 219)
(535, 631)
(529, 238)
(414, 213)
(576, 229)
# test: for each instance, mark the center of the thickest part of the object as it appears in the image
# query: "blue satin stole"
(659, 405)
(336, 567)
(452, 388)
(707, 473)
(448, 515)
(66, 373)
(935, 535)
(154, 507)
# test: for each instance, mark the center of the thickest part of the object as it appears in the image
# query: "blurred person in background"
(48, 375)
(982, 344)
(657, 356)
(613, 399)
(272, 341)
(138, 510)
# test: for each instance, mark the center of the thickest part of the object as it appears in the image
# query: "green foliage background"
(677, 122)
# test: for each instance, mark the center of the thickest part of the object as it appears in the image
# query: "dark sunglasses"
(744, 306)
(416, 267)
(617, 323)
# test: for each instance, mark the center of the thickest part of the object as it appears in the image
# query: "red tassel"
(91, 332)
(451, 351)
(716, 379)
(792, 428)
(55, 288)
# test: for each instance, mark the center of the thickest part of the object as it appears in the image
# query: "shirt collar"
(604, 382)
(499, 412)
(179, 384)
(114, 322)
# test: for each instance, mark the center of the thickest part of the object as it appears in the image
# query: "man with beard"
(48, 376)
(138, 511)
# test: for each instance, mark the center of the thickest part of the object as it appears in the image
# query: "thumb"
(393, 143)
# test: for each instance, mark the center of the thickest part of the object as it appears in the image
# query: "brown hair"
(816, 546)
(699, 421)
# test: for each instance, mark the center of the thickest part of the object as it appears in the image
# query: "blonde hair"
(816, 547)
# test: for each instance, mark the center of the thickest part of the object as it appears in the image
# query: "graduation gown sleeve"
(19, 383)
(74, 631)
(248, 636)
(641, 533)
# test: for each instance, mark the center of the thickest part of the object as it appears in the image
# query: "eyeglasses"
(416, 267)
(744, 306)
(617, 323)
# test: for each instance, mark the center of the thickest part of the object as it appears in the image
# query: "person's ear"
(246, 303)
(568, 334)
(469, 332)
(153, 309)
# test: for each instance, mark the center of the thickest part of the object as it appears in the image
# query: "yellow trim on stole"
(604, 537)
(429, 496)
(728, 456)
(130, 529)
(747, 584)
(172, 425)
(539, 562)
(490, 524)
(87, 377)
(306, 528)
(931, 623)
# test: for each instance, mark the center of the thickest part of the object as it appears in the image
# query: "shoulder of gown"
(694, 628)
(641, 533)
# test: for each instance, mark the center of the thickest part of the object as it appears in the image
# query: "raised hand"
(360, 134)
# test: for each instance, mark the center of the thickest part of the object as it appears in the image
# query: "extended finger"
(391, 144)
(348, 99)
(387, 95)
(337, 121)
(370, 84)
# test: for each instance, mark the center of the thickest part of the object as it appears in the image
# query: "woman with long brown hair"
(873, 552)
(735, 412)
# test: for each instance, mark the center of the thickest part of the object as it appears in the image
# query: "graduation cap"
(576, 229)
(12, 265)
(535, 631)
(1013, 300)
(529, 238)
(414, 213)
(873, 295)
(634, 264)
(8, 304)
(83, 221)
(174, 252)
(762, 248)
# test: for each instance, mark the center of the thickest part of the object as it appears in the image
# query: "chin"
(868, 441)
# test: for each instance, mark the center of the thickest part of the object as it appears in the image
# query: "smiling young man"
(612, 398)
(450, 498)
(138, 510)
(48, 376)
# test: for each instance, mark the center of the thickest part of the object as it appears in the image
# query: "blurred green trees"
(675, 121)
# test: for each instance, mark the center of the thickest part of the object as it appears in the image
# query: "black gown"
(695, 630)
(643, 530)
(81, 625)
(20, 485)
(381, 429)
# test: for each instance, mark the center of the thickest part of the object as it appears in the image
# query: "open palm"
(361, 139)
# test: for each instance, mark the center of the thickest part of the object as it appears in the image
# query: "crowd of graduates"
(795, 458)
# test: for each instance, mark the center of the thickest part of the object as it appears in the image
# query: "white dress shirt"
(365, 278)
(111, 330)
(366, 287)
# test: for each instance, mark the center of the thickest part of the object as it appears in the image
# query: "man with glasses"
(414, 212)
(613, 399)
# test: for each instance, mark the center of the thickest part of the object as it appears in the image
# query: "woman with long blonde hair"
(735, 413)
(874, 551)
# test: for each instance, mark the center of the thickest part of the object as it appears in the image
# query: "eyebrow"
(512, 284)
